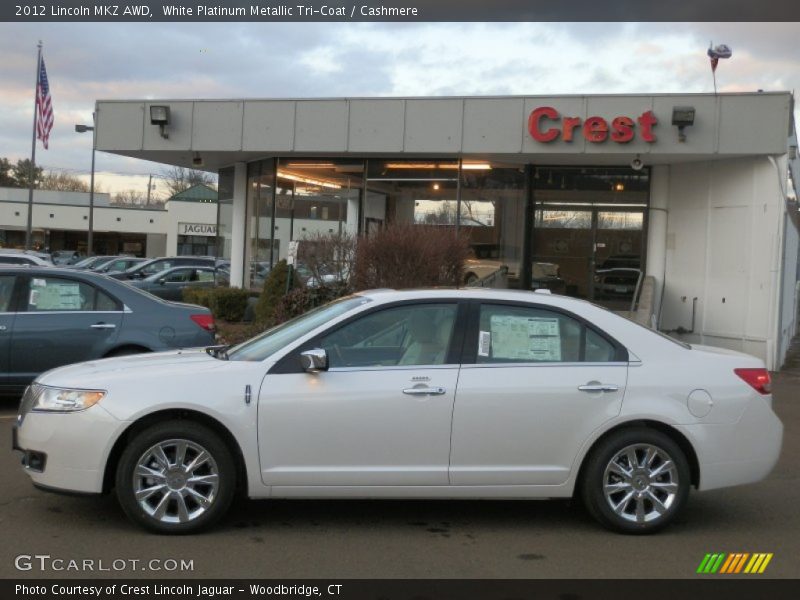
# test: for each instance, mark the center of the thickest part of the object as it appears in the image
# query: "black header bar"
(399, 10)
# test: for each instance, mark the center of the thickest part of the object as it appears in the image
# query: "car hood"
(99, 373)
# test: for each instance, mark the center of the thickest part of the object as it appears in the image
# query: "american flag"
(44, 107)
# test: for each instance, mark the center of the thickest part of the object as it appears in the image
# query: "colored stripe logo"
(736, 562)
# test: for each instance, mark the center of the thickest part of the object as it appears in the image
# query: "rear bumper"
(745, 452)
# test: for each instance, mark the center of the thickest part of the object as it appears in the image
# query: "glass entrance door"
(589, 232)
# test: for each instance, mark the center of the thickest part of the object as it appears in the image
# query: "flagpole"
(29, 230)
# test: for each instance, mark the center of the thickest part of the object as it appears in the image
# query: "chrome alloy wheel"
(641, 483)
(175, 481)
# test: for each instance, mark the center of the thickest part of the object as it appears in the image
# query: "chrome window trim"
(546, 364)
(71, 312)
(391, 367)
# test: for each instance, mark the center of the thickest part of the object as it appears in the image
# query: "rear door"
(7, 316)
(534, 385)
(61, 321)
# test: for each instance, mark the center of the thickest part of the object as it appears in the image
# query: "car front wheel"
(636, 481)
(176, 477)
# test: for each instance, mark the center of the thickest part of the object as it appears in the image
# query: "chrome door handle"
(103, 326)
(425, 391)
(598, 387)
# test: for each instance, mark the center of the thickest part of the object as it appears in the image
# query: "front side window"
(417, 334)
(57, 294)
(285, 334)
(516, 334)
(157, 267)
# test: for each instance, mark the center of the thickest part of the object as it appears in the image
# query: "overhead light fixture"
(619, 187)
(308, 180)
(436, 186)
(159, 115)
(682, 117)
(428, 166)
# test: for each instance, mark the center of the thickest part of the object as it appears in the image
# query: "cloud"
(89, 61)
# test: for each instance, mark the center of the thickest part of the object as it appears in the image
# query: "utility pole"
(149, 187)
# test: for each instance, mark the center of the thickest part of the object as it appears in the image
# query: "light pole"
(89, 241)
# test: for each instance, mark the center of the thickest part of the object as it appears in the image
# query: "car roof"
(390, 295)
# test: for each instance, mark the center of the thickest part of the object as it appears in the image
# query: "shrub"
(228, 304)
(274, 289)
(407, 256)
(198, 295)
(302, 299)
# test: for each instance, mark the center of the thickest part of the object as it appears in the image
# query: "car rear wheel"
(636, 481)
(176, 477)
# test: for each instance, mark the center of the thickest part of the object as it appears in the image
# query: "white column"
(657, 230)
(239, 224)
(351, 227)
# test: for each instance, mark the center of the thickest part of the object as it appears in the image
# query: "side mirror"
(314, 361)
(162, 281)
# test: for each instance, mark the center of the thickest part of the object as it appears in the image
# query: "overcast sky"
(89, 61)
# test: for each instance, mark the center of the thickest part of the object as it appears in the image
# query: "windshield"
(279, 337)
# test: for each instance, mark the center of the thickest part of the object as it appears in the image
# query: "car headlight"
(65, 400)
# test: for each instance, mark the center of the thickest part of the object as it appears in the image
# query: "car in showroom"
(51, 316)
(170, 283)
(475, 393)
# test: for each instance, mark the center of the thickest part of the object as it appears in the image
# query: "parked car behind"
(91, 261)
(411, 394)
(66, 257)
(24, 257)
(118, 264)
(51, 316)
(156, 265)
(170, 283)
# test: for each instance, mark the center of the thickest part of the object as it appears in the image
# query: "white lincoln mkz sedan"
(412, 394)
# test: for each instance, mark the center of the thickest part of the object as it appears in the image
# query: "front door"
(539, 383)
(379, 416)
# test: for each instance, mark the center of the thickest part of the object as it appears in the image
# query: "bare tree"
(129, 197)
(179, 179)
(62, 182)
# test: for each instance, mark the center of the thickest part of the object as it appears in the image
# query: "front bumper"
(67, 451)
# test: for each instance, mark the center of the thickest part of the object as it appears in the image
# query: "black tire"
(172, 433)
(657, 506)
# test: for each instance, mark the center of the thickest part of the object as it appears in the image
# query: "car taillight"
(758, 379)
(205, 321)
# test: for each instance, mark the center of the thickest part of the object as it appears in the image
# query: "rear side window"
(6, 291)
(49, 294)
(517, 334)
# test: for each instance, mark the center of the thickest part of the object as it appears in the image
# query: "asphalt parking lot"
(410, 539)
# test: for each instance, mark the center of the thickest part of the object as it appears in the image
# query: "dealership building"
(185, 225)
(575, 193)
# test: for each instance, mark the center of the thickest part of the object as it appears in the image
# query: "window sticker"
(56, 296)
(525, 338)
(484, 343)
